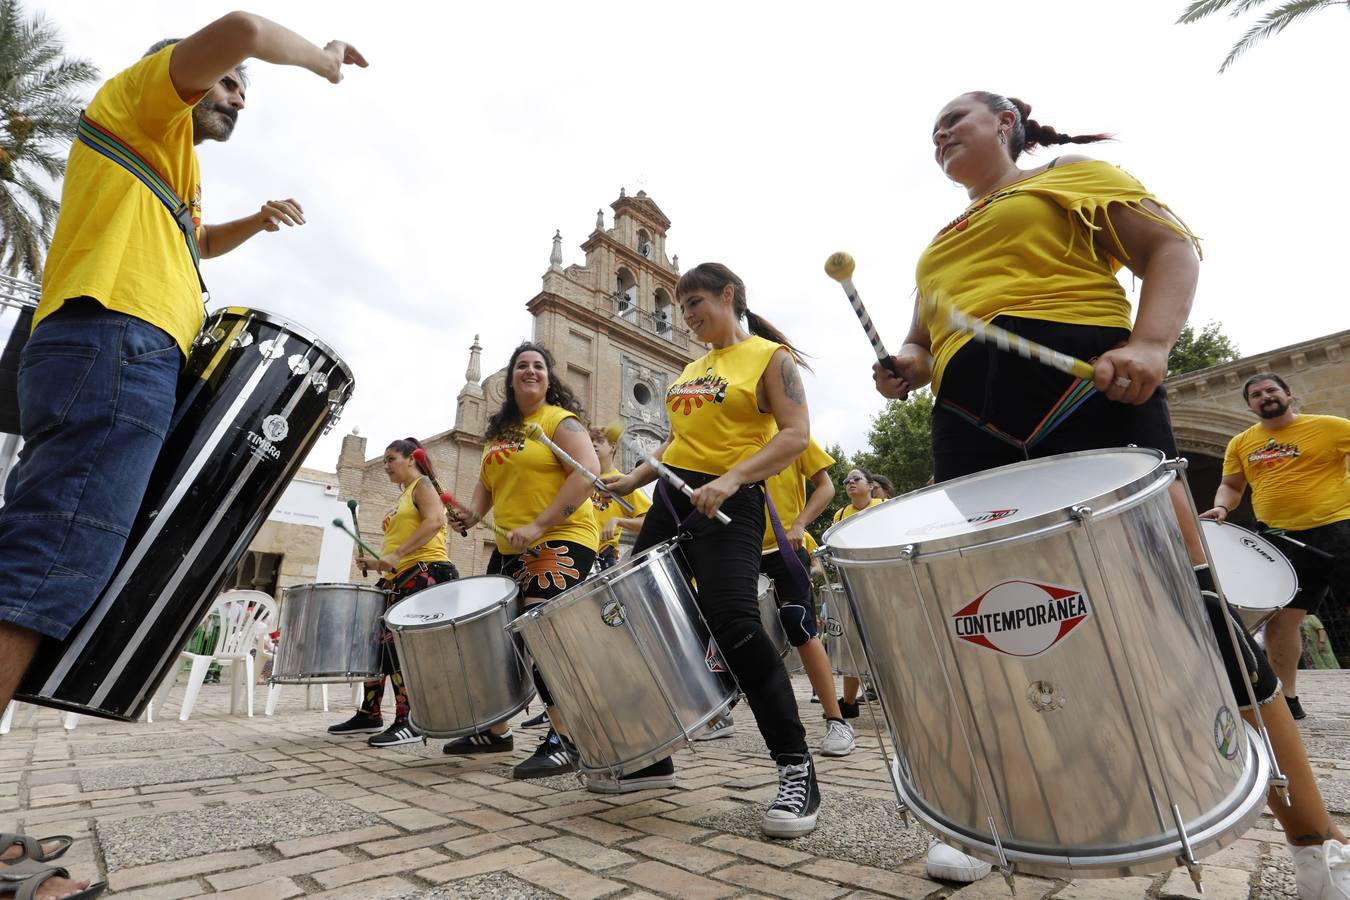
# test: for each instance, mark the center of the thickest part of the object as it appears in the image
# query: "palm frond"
(1273, 23)
(1199, 9)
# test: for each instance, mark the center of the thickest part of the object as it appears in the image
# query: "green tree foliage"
(901, 443)
(1285, 13)
(1200, 351)
(39, 110)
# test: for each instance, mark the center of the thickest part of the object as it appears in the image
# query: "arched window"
(644, 243)
(665, 312)
(625, 294)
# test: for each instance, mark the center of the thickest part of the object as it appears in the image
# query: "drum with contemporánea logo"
(1256, 577)
(330, 633)
(458, 660)
(256, 392)
(1047, 668)
(629, 662)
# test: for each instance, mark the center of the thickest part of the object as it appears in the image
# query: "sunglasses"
(854, 479)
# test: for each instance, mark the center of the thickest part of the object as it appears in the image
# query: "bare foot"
(55, 888)
(16, 852)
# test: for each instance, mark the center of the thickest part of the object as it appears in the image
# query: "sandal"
(22, 880)
(33, 847)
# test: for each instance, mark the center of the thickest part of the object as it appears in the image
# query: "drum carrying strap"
(105, 143)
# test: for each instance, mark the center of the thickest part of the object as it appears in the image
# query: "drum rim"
(289, 324)
(1279, 558)
(462, 620)
(996, 532)
(332, 584)
(575, 594)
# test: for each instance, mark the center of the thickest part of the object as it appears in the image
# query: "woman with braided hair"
(1037, 252)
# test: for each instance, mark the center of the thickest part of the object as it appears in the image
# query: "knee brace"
(799, 623)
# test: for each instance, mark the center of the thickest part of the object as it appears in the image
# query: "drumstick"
(423, 463)
(451, 503)
(356, 527)
(534, 431)
(840, 267)
(1006, 340)
(679, 484)
(356, 537)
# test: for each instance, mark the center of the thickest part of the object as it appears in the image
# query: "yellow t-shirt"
(1298, 474)
(1027, 250)
(399, 524)
(850, 509)
(787, 489)
(715, 421)
(524, 476)
(114, 240)
(606, 509)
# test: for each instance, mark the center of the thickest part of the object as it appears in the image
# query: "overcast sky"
(770, 134)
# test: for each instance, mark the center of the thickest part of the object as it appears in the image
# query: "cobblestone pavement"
(274, 807)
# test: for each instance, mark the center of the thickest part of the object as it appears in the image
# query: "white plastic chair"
(243, 616)
(68, 720)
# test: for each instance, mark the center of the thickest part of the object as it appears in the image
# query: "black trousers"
(724, 562)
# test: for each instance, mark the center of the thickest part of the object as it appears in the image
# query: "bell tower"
(612, 325)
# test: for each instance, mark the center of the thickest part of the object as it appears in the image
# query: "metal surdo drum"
(768, 615)
(329, 633)
(843, 643)
(459, 662)
(1256, 577)
(1047, 669)
(629, 661)
(255, 394)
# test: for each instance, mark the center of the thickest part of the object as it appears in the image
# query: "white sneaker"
(1322, 872)
(838, 740)
(950, 864)
(724, 726)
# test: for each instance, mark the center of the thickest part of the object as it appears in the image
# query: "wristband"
(1225, 509)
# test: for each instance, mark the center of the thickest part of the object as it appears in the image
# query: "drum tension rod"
(1188, 860)
(1004, 868)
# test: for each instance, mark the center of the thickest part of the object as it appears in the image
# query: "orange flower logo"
(601, 500)
(686, 396)
(501, 449)
(551, 567)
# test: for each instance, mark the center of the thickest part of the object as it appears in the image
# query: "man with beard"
(121, 303)
(1296, 465)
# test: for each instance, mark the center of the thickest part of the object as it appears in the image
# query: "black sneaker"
(1295, 708)
(541, 719)
(814, 698)
(660, 774)
(871, 695)
(555, 755)
(482, 742)
(848, 710)
(793, 811)
(358, 724)
(398, 733)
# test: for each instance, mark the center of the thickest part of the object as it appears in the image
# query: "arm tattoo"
(571, 424)
(568, 510)
(792, 382)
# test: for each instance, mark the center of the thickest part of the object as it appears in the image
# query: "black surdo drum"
(256, 392)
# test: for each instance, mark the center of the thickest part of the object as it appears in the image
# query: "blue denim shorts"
(96, 395)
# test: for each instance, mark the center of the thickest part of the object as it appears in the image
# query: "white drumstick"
(534, 431)
(679, 484)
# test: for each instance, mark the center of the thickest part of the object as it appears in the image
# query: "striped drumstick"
(1006, 340)
(679, 484)
(423, 463)
(534, 431)
(840, 267)
(452, 504)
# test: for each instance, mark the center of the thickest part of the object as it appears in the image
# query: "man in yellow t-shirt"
(120, 305)
(1297, 468)
(609, 514)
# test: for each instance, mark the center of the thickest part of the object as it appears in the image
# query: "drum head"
(1003, 496)
(451, 601)
(1253, 573)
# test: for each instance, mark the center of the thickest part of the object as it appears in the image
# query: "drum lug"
(907, 552)
(1081, 514)
(1179, 464)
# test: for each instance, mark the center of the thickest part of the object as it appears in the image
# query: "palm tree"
(1272, 23)
(38, 116)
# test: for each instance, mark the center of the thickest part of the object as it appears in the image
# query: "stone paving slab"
(269, 807)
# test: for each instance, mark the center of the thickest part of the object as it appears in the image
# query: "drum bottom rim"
(450, 734)
(635, 763)
(1217, 831)
(94, 712)
(326, 678)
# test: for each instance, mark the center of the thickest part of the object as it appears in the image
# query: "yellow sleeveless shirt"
(715, 421)
(399, 524)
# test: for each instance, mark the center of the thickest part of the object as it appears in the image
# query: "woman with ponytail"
(737, 416)
(1037, 252)
(413, 558)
